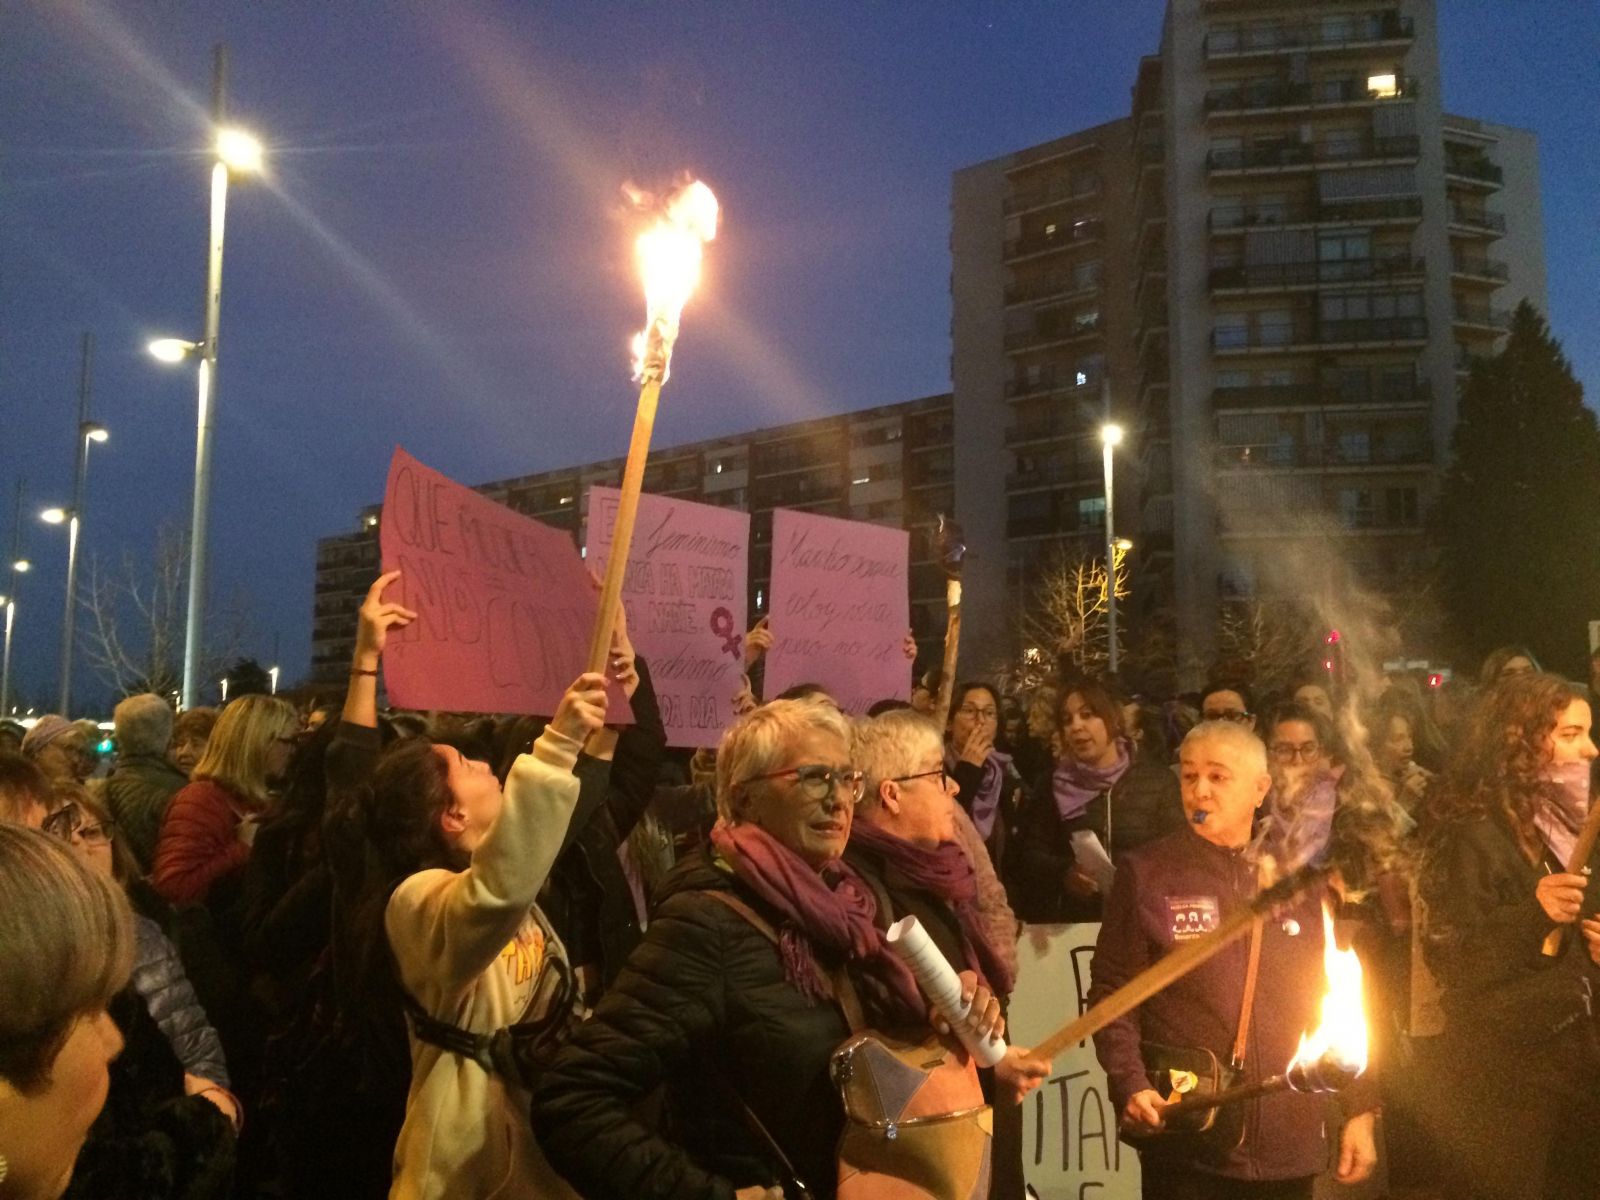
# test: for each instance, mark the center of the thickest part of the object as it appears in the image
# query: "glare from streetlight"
(1123, 544)
(1111, 435)
(239, 151)
(22, 565)
(96, 433)
(53, 516)
(171, 350)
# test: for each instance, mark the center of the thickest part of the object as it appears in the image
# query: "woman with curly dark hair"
(1499, 828)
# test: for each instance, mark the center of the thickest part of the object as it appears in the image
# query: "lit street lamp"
(1110, 438)
(19, 566)
(236, 152)
(272, 674)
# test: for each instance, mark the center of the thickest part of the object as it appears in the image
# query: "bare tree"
(1066, 623)
(1264, 643)
(137, 613)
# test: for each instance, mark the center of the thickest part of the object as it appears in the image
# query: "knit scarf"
(1301, 825)
(1075, 783)
(1565, 807)
(831, 910)
(985, 805)
(946, 873)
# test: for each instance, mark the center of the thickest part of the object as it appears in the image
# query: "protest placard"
(504, 605)
(840, 609)
(684, 593)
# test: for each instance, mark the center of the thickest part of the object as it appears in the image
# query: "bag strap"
(1247, 1005)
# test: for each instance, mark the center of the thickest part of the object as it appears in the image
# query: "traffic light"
(1333, 657)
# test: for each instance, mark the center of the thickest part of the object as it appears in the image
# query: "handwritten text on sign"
(684, 593)
(504, 604)
(1069, 1126)
(839, 608)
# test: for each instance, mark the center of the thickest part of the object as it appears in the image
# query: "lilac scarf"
(832, 909)
(1074, 784)
(1566, 806)
(946, 873)
(1302, 825)
(985, 806)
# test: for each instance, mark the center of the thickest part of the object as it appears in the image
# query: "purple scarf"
(831, 909)
(1075, 784)
(985, 806)
(946, 873)
(1300, 826)
(1566, 806)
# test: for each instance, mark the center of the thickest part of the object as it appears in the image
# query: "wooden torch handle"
(644, 421)
(952, 651)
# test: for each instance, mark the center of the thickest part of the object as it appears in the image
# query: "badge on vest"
(1192, 916)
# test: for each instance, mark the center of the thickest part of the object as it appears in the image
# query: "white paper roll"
(941, 985)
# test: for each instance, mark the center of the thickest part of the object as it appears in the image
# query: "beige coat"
(470, 950)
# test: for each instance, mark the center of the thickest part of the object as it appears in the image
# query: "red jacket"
(199, 842)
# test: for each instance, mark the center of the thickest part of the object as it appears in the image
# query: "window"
(1383, 85)
(1275, 327)
(1342, 143)
(1233, 379)
(1086, 274)
(1400, 505)
(1344, 247)
(1355, 508)
(1230, 330)
(1355, 446)
(1088, 319)
(1092, 511)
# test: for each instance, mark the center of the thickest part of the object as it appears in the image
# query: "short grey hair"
(889, 745)
(759, 741)
(143, 724)
(1231, 733)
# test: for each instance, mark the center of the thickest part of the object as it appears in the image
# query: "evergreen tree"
(1519, 515)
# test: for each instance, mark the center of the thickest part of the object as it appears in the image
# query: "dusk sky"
(438, 259)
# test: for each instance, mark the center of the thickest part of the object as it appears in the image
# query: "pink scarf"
(946, 873)
(1561, 815)
(831, 910)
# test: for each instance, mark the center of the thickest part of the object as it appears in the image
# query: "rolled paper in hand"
(941, 985)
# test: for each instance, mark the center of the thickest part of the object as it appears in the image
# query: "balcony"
(1050, 287)
(1295, 155)
(1048, 382)
(1291, 336)
(1286, 96)
(1477, 220)
(1045, 429)
(1478, 269)
(1053, 332)
(1312, 274)
(1481, 319)
(1079, 233)
(1232, 218)
(1056, 191)
(1331, 456)
(1056, 475)
(1250, 41)
(1309, 395)
(1473, 171)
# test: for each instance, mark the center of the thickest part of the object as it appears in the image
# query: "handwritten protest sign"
(684, 593)
(839, 608)
(504, 605)
(1069, 1126)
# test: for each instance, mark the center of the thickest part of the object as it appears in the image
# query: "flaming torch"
(1330, 1056)
(669, 254)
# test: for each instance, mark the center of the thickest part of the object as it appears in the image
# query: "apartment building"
(1301, 254)
(892, 465)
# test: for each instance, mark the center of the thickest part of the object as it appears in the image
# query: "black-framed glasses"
(819, 782)
(1237, 716)
(1288, 752)
(943, 775)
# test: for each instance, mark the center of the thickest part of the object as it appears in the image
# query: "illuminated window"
(1383, 85)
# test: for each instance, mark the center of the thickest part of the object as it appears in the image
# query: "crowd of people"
(332, 950)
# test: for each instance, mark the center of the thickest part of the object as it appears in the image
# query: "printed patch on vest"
(1192, 916)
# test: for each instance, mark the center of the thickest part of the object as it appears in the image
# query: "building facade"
(892, 465)
(1299, 254)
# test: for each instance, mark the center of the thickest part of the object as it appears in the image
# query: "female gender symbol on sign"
(722, 625)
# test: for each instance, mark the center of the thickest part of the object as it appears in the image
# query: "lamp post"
(236, 151)
(1110, 439)
(19, 566)
(272, 674)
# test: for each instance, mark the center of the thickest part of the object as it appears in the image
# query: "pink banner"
(839, 609)
(684, 592)
(504, 604)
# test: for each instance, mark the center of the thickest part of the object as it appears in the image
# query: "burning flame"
(1341, 1036)
(669, 255)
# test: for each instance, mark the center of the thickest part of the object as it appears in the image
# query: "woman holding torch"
(1512, 936)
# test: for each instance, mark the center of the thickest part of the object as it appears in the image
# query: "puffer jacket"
(163, 985)
(138, 791)
(703, 1007)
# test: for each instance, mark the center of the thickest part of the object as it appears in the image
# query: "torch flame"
(1341, 1036)
(669, 255)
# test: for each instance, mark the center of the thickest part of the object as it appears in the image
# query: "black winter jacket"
(1143, 805)
(138, 791)
(703, 1007)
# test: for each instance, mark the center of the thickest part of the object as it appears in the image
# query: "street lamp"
(1110, 439)
(272, 674)
(237, 152)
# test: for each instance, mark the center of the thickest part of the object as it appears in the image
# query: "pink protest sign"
(504, 604)
(684, 592)
(839, 609)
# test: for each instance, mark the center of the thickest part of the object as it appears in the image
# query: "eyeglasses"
(977, 714)
(1287, 752)
(943, 775)
(1237, 716)
(819, 782)
(67, 823)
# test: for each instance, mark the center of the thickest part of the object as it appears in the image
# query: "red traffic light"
(1435, 680)
(1333, 637)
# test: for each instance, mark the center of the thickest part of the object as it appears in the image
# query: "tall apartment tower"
(1313, 253)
